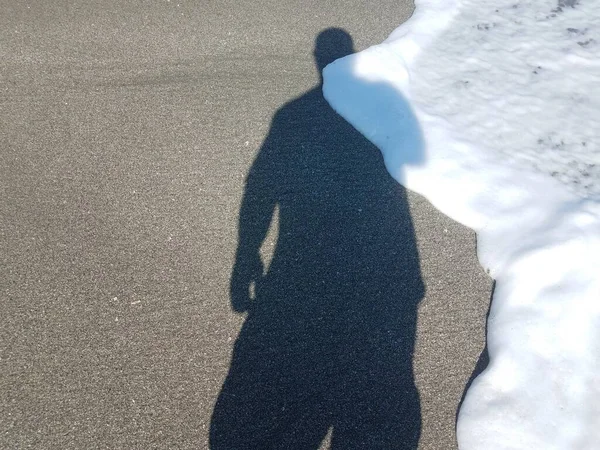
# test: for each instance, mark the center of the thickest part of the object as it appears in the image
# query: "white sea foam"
(495, 121)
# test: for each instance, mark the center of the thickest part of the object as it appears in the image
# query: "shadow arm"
(256, 212)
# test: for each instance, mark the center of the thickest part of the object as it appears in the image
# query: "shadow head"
(332, 44)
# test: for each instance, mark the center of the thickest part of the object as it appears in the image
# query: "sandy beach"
(147, 153)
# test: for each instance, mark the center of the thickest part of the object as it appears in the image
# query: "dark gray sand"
(127, 132)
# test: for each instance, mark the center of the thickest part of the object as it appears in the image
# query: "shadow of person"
(327, 344)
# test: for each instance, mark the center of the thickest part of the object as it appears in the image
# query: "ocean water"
(494, 118)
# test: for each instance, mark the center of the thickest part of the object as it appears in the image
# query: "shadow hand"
(245, 278)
